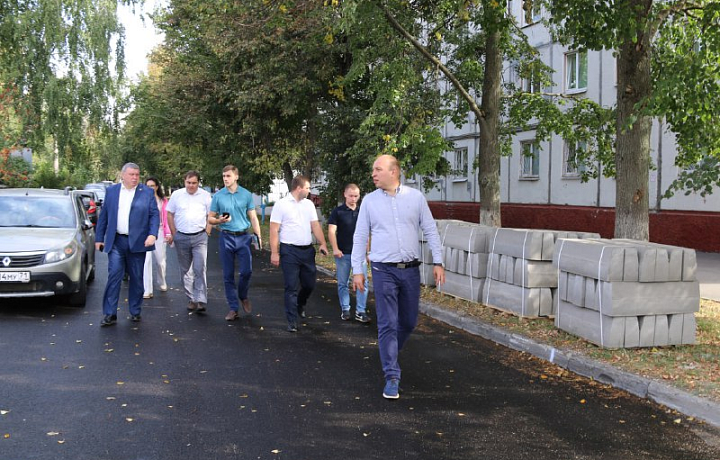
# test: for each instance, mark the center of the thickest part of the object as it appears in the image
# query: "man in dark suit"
(126, 230)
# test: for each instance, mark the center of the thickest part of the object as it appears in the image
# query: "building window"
(530, 166)
(460, 162)
(572, 166)
(576, 72)
(531, 84)
(531, 12)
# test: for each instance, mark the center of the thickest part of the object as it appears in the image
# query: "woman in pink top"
(160, 244)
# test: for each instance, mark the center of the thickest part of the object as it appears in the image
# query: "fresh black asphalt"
(190, 386)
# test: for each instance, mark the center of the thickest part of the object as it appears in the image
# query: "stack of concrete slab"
(626, 293)
(465, 251)
(521, 278)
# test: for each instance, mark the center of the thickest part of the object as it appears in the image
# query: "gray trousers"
(192, 258)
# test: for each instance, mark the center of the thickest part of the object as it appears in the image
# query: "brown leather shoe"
(247, 306)
(201, 307)
(192, 306)
(231, 316)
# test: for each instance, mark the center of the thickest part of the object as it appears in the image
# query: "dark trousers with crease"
(299, 272)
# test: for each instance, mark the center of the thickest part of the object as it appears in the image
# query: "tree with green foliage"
(668, 67)
(61, 66)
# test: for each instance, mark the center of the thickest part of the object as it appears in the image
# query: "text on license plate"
(14, 277)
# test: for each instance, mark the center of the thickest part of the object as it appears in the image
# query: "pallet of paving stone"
(626, 331)
(523, 302)
(462, 286)
(621, 298)
(531, 244)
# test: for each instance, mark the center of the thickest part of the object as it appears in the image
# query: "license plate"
(14, 277)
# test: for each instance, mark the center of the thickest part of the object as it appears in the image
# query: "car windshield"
(30, 211)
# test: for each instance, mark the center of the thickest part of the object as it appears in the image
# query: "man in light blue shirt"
(391, 218)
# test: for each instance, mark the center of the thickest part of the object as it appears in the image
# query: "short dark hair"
(192, 173)
(298, 181)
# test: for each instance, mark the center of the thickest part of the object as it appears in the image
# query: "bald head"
(386, 173)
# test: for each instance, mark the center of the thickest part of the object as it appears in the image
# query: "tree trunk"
(489, 155)
(287, 174)
(632, 155)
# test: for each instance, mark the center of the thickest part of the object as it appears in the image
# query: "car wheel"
(78, 299)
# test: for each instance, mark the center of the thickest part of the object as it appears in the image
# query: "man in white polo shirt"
(187, 214)
(293, 223)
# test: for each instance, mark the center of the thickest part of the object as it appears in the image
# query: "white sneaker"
(148, 296)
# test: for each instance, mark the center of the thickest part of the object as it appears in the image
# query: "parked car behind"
(47, 245)
(99, 189)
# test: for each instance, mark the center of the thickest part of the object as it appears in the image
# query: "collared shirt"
(345, 219)
(394, 222)
(124, 205)
(236, 204)
(295, 219)
(190, 211)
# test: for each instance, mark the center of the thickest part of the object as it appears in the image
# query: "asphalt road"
(181, 386)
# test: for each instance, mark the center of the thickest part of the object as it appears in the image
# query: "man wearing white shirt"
(293, 223)
(187, 212)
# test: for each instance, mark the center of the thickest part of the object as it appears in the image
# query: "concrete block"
(689, 329)
(576, 290)
(563, 286)
(661, 338)
(637, 299)
(535, 273)
(675, 328)
(493, 270)
(461, 267)
(682, 262)
(477, 265)
(426, 275)
(468, 237)
(595, 259)
(509, 269)
(604, 331)
(525, 244)
(590, 293)
(502, 269)
(524, 302)
(647, 330)
(632, 332)
(463, 286)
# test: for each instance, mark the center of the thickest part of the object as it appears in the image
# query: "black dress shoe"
(108, 320)
(135, 318)
(292, 327)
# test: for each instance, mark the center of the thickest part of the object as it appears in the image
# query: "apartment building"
(544, 190)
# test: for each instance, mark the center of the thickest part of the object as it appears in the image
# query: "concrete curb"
(642, 387)
(658, 392)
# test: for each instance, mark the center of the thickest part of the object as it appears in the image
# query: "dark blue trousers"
(234, 247)
(120, 260)
(397, 299)
(298, 267)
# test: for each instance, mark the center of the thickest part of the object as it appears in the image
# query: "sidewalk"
(709, 276)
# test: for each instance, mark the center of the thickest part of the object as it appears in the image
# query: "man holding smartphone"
(233, 210)
(293, 223)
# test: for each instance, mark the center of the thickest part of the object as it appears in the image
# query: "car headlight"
(62, 253)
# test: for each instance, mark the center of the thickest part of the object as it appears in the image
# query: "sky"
(140, 37)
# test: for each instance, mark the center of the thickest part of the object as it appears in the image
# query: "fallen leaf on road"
(53, 433)
(582, 401)
(78, 341)
(366, 434)
(43, 359)
(677, 420)
(61, 441)
(109, 350)
(121, 383)
(6, 435)
(111, 398)
(4, 411)
(275, 451)
(129, 419)
(81, 367)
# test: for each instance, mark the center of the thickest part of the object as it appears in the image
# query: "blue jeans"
(236, 247)
(298, 267)
(121, 260)
(343, 267)
(397, 300)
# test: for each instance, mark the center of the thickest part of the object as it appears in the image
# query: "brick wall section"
(690, 229)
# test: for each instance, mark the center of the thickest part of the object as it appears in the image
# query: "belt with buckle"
(190, 234)
(411, 264)
(230, 232)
